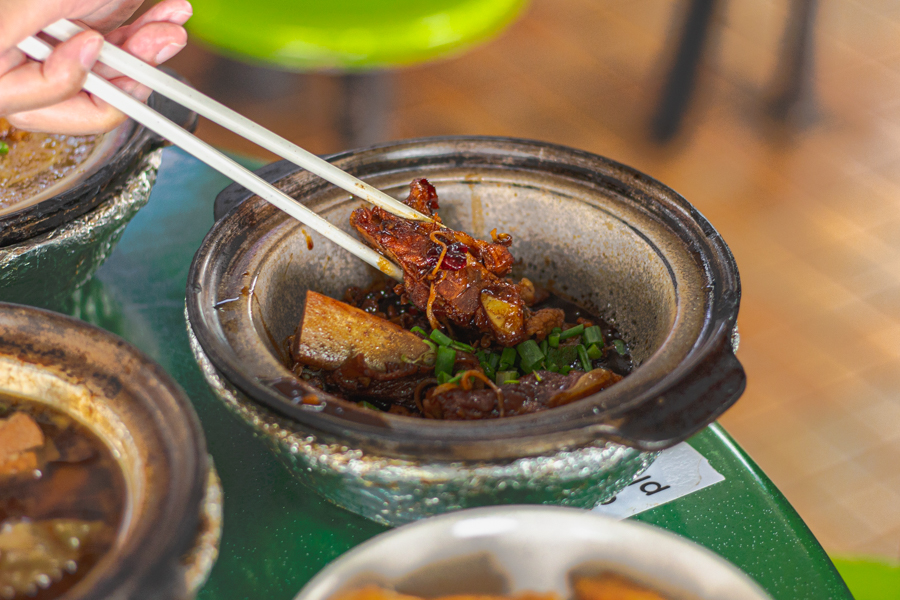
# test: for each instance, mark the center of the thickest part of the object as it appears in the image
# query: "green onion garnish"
(507, 359)
(620, 346)
(530, 352)
(419, 330)
(443, 363)
(493, 360)
(570, 333)
(593, 336)
(537, 376)
(445, 378)
(545, 345)
(553, 340)
(565, 370)
(507, 377)
(462, 347)
(583, 356)
(556, 330)
(4, 148)
(430, 344)
(439, 338)
(594, 352)
(368, 405)
(489, 371)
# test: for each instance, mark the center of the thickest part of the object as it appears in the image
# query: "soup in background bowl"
(65, 202)
(122, 464)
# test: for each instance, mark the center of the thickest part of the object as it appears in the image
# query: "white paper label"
(676, 472)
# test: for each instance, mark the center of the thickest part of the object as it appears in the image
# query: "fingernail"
(90, 51)
(168, 52)
(181, 17)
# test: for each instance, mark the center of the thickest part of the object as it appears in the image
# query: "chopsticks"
(203, 105)
(140, 112)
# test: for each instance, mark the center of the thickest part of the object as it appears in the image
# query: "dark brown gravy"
(61, 500)
(35, 161)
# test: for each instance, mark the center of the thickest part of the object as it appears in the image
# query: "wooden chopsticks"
(194, 100)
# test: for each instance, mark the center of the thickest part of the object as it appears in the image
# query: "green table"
(278, 534)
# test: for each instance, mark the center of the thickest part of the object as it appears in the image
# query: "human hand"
(47, 96)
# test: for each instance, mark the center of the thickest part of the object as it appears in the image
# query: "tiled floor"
(811, 213)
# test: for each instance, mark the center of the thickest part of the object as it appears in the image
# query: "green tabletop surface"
(278, 534)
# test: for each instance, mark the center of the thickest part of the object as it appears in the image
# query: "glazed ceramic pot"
(611, 239)
(169, 537)
(54, 241)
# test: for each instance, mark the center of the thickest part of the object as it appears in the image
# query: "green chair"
(357, 40)
(349, 35)
(869, 579)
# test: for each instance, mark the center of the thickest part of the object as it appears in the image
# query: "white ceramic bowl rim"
(536, 547)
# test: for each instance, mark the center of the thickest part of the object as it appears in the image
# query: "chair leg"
(680, 82)
(791, 96)
(364, 104)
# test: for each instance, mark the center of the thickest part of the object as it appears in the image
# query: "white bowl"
(508, 549)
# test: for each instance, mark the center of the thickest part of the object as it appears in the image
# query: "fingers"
(81, 114)
(31, 85)
(106, 15)
(167, 11)
(154, 43)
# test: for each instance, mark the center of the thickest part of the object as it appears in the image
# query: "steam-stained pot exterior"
(610, 238)
(53, 243)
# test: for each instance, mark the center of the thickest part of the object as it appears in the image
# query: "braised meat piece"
(449, 274)
(532, 393)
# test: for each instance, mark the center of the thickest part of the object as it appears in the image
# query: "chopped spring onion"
(545, 345)
(556, 330)
(507, 359)
(445, 378)
(368, 405)
(572, 332)
(430, 344)
(419, 330)
(620, 347)
(507, 377)
(537, 376)
(439, 338)
(489, 371)
(565, 370)
(493, 360)
(593, 336)
(462, 347)
(443, 363)
(583, 356)
(553, 340)
(4, 148)
(530, 352)
(594, 352)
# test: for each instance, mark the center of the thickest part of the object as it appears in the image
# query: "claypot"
(54, 241)
(612, 239)
(169, 535)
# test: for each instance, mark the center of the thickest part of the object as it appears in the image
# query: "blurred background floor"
(810, 207)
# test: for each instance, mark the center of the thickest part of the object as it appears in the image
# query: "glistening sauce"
(62, 497)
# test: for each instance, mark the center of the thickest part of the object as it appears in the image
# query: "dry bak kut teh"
(61, 500)
(458, 339)
(32, 162)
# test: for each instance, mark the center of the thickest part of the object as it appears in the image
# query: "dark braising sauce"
(32, 162)
(62, 496)
(418, 390)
